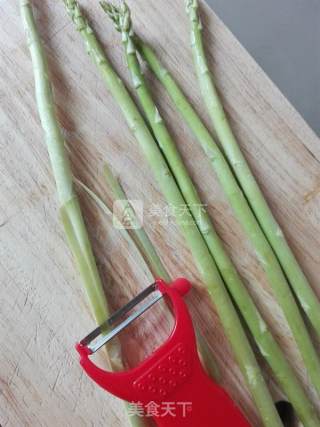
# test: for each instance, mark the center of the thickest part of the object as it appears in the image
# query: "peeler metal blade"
(94, 344)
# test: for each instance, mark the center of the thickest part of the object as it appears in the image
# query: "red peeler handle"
(201, 403)
(171, 384)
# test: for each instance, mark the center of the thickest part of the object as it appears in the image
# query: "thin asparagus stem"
(205, 264)
(280, 286)
(70, 210)
(140, 237)
(264, 339)
(272, 230)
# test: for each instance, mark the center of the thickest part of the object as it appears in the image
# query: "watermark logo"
(163, 409)
(128, 214)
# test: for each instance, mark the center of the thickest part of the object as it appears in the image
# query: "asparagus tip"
(120, 15)
(113, 13)
(192, 7)
(74, 11)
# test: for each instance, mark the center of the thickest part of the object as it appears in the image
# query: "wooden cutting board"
(42, 307)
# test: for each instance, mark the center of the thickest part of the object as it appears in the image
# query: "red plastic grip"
(172, 375)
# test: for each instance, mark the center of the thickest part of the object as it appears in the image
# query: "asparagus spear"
(271, 228)
(70, 210)
(69, 204)
(280, 286)
(205, 264)
(264, 339)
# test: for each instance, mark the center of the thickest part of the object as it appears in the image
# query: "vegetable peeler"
(172, 376)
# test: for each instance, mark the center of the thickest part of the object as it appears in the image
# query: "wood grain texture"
(42, 307)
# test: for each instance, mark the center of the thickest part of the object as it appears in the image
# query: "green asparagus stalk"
(70, 210)
(69, 205)
(205, 264)
(271, 228)
(280, 286)
(264, 339)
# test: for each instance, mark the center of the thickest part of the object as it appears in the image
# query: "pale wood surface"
(42, 308)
